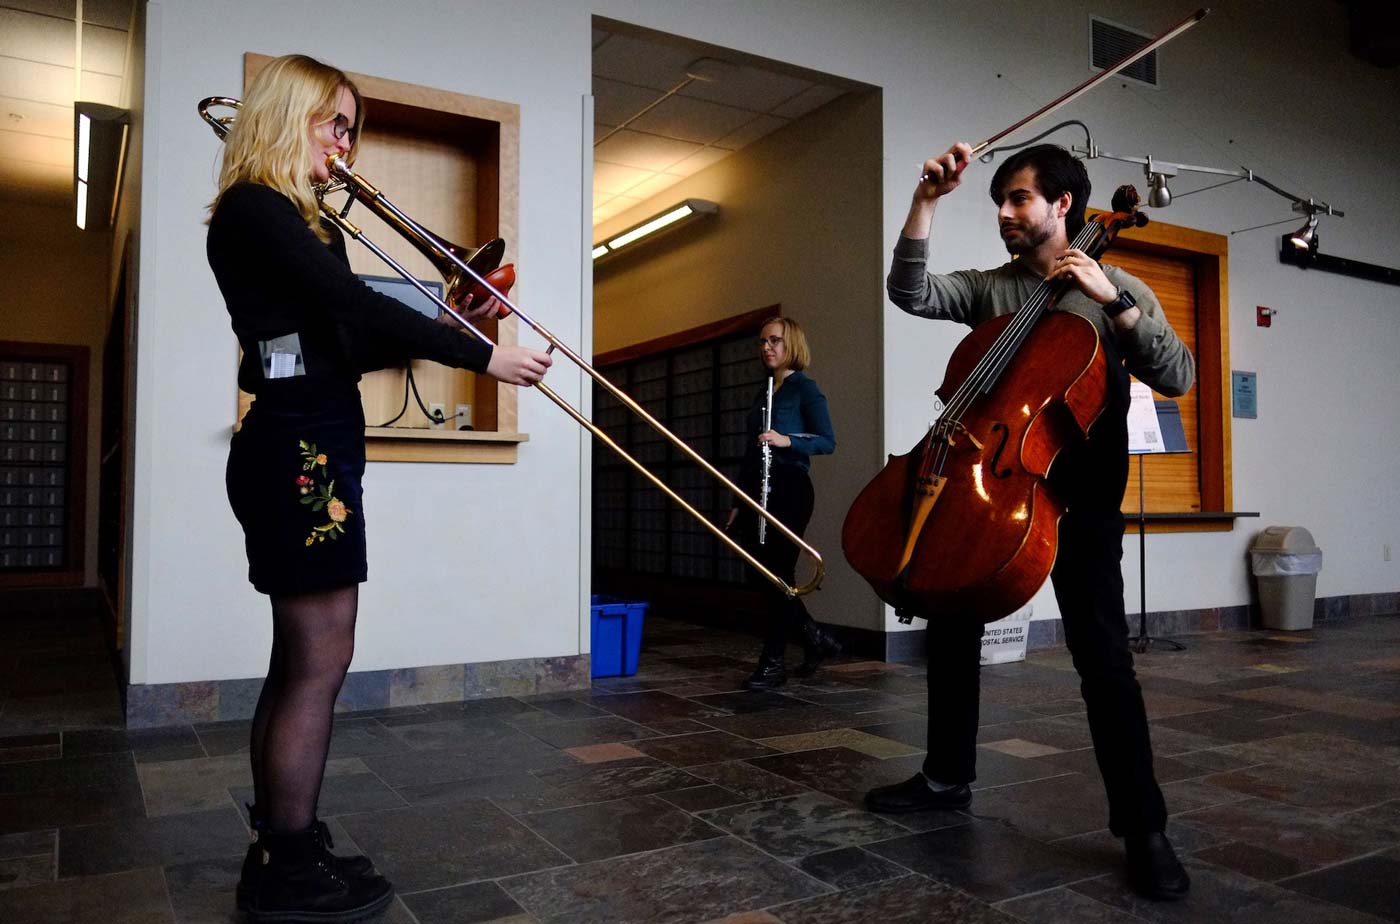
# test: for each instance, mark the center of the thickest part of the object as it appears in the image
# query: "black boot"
(252, 860)
(299, 882)
(1153, 869)
(817, 644)
(349, 867)
(769, 675)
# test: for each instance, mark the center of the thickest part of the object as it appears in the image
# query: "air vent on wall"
(1109, 44)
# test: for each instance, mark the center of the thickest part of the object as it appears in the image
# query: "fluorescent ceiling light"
(84, 144)
(670, 218)
(99, 157)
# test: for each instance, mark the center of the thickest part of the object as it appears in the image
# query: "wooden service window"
(1187, 270)
(452, 163)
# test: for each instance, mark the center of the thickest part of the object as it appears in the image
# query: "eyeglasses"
(341, 126)
(773, 342)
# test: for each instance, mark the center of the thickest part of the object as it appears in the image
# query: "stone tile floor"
(673, 796)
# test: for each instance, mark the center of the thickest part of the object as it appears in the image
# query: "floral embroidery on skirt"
(320, 495)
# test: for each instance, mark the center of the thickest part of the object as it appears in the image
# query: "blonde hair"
(270, 142)
(799, 355)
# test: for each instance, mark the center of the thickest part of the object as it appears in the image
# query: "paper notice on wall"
(1005, 640)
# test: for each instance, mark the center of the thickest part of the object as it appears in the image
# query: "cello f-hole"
(1005, 432)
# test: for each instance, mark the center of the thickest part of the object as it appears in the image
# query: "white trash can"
(1285, 562)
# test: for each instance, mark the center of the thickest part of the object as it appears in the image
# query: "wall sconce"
(681, 213)
(99, 157)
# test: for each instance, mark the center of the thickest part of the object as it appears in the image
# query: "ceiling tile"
(615, 102)
(37, 38)
(812, 98)
(760, 125)
(59, 8)
(616, 178)
(115, 14)
(36, 118)
(636, 61)
(614, 207)
(748, 88)
(692, 120)
(43, 83)
(698, 161)
(104, 50)
(636, 149)
(38, 149)
(654, 186)
(105, 89)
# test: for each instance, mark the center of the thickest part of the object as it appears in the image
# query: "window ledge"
(420, 444)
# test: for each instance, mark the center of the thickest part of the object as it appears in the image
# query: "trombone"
(478, 275)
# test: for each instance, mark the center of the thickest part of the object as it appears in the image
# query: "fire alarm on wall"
(1264, 317)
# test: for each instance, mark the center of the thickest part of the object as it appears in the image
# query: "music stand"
(1154, 428)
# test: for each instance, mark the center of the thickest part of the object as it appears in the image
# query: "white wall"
(1320, 453)
(467, 563)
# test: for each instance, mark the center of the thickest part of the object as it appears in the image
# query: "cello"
(965, 521)
(1018, 390)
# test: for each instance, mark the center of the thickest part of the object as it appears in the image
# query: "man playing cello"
(1041, 193)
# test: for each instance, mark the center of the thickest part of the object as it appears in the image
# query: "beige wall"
(54, 289)
(799, 225)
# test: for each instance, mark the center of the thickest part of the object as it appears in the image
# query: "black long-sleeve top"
(279, 278)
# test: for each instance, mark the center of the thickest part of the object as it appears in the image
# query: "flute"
(767, 452)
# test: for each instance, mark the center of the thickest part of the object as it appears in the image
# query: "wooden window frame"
(1209, 254)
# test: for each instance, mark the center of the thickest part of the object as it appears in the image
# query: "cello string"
(1010, 340)
(994, 361)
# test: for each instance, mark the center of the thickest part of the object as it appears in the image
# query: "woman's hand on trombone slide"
(517, 365)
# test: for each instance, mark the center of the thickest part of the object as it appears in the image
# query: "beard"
(1030, 237)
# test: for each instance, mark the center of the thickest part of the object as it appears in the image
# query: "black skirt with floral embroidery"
(293, 481)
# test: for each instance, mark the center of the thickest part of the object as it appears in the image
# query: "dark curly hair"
(1056, 172)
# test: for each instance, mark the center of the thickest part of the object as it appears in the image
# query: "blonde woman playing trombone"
(308, 328)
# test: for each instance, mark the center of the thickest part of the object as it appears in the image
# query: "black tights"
(312, 644)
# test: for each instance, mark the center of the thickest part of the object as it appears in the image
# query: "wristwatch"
(1121, 303)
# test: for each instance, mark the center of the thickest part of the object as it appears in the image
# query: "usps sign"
(1005, 639)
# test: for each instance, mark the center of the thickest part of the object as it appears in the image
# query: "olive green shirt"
(1151, 350)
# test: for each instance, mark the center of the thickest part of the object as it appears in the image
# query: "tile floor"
(673, 796)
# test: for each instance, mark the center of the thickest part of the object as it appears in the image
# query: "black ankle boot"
(299, 882)
(252, 860)
(1153, 869)
(769, 675)
(350, 867)
(818, 644)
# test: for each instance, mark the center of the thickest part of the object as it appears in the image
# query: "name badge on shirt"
(281, 357)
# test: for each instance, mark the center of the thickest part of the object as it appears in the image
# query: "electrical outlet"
(464, 417)
(1385, 552)
(437, 413)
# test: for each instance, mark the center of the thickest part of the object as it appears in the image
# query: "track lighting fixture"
(1306, 238)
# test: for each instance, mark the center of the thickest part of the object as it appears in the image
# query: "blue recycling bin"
(617, 636)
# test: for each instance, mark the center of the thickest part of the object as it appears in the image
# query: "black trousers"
(790, 499)
(1088, 583)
